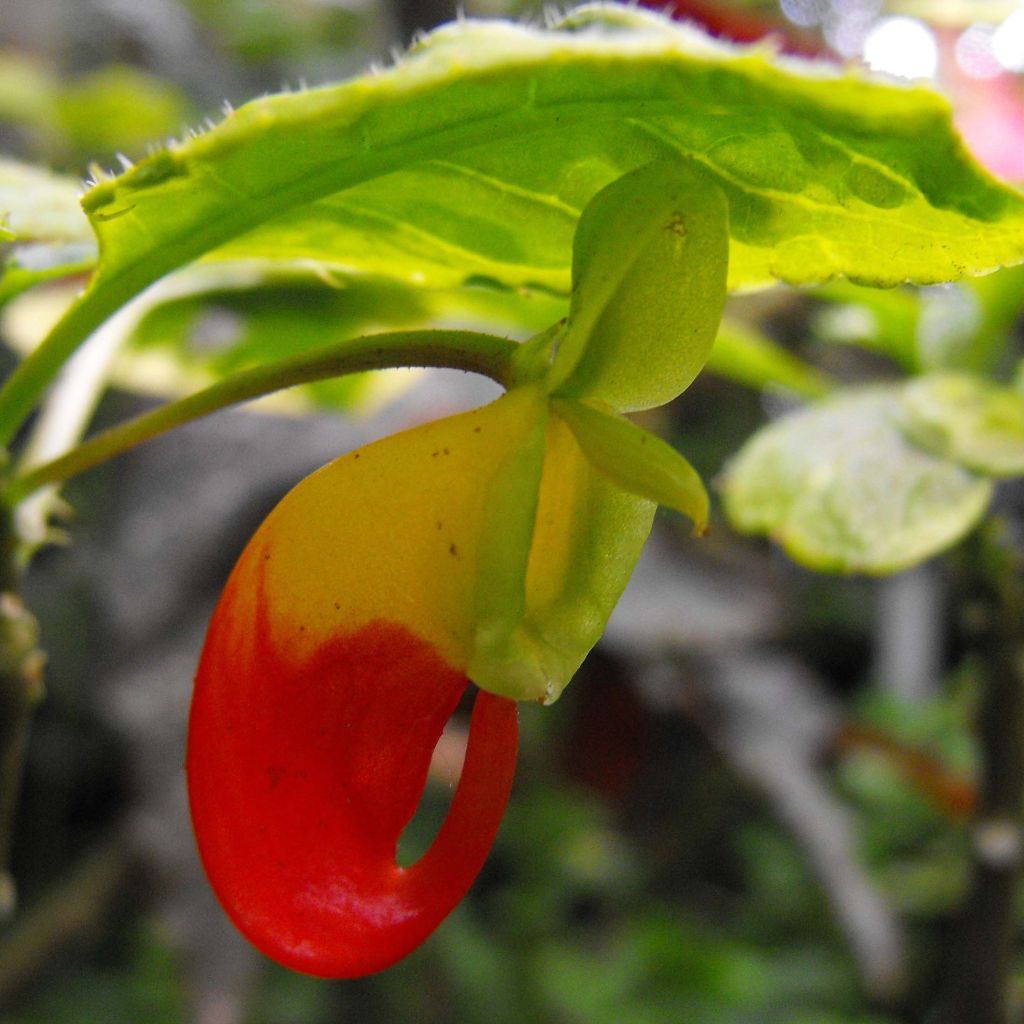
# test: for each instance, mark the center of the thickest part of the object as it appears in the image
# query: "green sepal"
(533, 358)
(558, 545)
(636, 460)
(609, 528)
(502, 561)
(650, 257)
(969, 420)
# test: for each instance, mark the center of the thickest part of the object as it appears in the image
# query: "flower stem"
(24, 387)
(460, 350)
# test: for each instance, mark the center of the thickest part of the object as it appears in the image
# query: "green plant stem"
(22, 390)
(979, 964)
(460, 350)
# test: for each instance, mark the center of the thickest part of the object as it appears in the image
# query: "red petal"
(303, 776)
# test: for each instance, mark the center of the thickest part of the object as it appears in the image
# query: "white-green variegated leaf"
(969, 420)
(841, 487)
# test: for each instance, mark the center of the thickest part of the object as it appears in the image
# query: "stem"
(21, 683)
(21, 391)
(979, 967)
(460, 350)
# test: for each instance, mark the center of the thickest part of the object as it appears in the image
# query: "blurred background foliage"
(752, 804)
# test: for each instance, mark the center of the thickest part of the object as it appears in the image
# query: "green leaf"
(968, 420)
(636, 460)
(842, 488)
(745, 355)
(998, 296)
(825, 174)
(649, 267)
(117, 109)
(27, 91)
(26, 266)
(962, 326)
(476, 152)
(41, 216)
(204, 324)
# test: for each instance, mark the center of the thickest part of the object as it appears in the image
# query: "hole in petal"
(442, 780)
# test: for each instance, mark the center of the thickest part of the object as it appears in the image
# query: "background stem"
(21, 687)
(977, 987)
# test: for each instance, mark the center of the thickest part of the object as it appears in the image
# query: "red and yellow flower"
(489, 546)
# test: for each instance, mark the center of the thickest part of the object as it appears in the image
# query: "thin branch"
(461, 350)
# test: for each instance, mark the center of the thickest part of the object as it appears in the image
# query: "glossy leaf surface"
(825, 173)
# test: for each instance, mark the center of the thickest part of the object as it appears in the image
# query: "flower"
(489, 546)
(336, 655)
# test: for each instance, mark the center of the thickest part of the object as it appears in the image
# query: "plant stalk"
(461, 350)
(979, 967)
(21, 688)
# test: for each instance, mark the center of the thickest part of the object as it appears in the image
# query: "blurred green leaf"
(37, 205)
(221, 318)
(662, 970)
(906, 820)
(144, 986)
(968, 420)
(743, 354)
(120, 109)
(879, 320)
(27, 91)
(50, 235)
(961, 326)
(842, 488)
(115, 109)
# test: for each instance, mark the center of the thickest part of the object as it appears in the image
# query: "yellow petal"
(388, 532)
